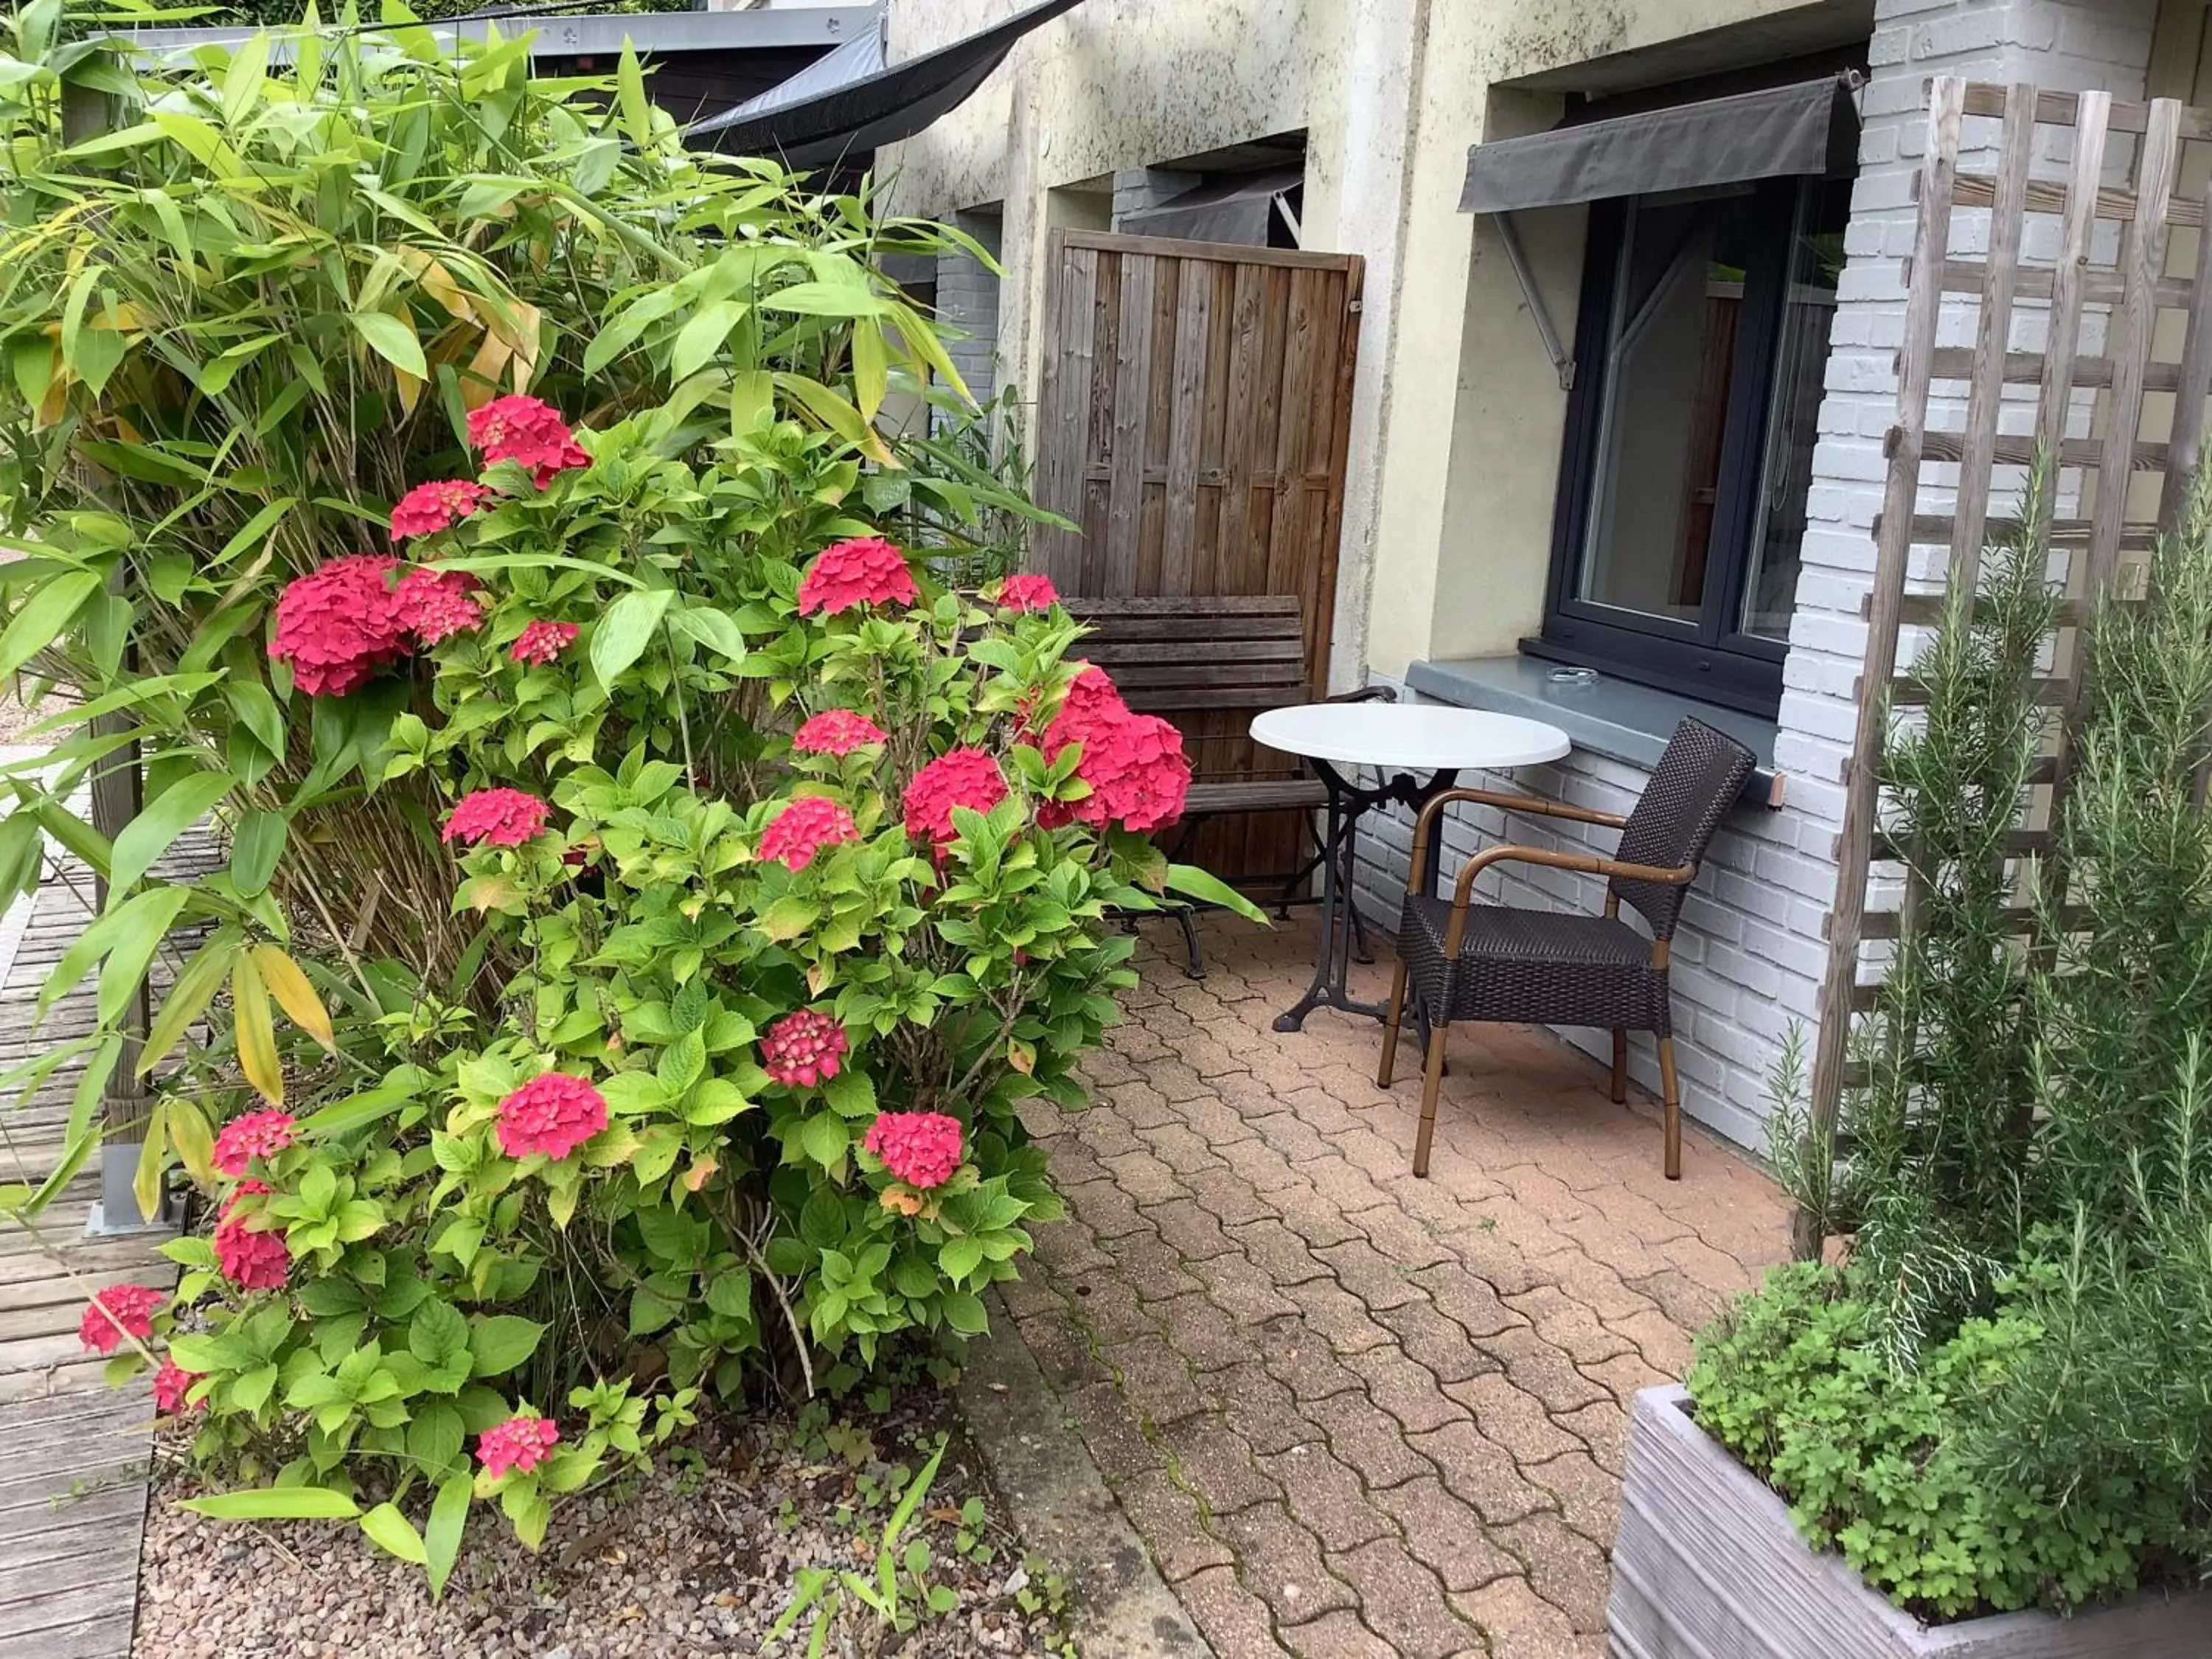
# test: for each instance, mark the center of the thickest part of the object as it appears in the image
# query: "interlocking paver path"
(1353, 1413)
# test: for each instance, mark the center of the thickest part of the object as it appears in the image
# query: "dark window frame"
(1713, 661)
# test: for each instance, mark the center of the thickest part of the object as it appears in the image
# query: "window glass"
(1793, 411)
(1678, 301)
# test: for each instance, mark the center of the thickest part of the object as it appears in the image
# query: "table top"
(1418, 737)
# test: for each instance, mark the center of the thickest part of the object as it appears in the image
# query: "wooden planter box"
(1708, 1566)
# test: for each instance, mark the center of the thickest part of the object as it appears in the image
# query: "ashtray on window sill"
(1572, 678)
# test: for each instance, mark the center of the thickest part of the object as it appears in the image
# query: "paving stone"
(1106, 1305)
(1480, 1472)
(1152, 1266)
(1564, 1568)
(1166, 1517)
(1435, 1343)
(1378, 1282)
(1071, 1248)
(1279, 1561)
(1604, 1428)
(1345, 1185)
(1242, 1290)
(1367, 1440)
(1467, 1301)
(1543, 1370)
(1514, 1417)
(1265, 1169)
(1182, 1148)
(1196, 1330)
(1146, 1178)
(1109, 1426)
(1405, 1390)
(1218, 1125)
(1141, 1106)
(1313, 1218)
(1590, 1496)
(1325, 1497)
(1624, 1377)
(1446, 1534)
(1154, 1379)
(1233, 1620)
(1032, 1295)
(1403, 1602)
(1301, 1359)
(1572, 1327)
(1178, 1081)
(1339, 1635)
(1518, 1623)
(1404, 1241)
(1196, 1234)
(1063, 1352)
(1338, 1316)
(1217, 1466)
(1296, 1138)
(1664, 1344)
(1228, 1197)
(1109, 1213)
(1263, 1412)
(1279, 1253)
(1325, 1113)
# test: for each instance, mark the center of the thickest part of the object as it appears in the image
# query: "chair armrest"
(1588, 864)
(1365, 693)
(1534, 805)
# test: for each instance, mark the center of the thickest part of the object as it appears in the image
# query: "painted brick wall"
(1750, 954)
(968, 299)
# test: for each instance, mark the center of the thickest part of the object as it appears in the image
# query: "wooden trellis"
(2065, 234)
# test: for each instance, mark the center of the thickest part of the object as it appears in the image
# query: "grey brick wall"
(968, 299)
(1750, 953)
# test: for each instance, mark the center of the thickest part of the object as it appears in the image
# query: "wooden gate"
(1193, 420)
(2088, 298)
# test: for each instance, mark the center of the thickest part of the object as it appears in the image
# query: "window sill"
(1610, 717)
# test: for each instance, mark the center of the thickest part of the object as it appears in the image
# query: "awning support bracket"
(1508, 233)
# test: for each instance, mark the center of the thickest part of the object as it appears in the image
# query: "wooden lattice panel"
(2057, 298)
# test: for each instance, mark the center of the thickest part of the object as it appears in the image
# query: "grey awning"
(851, 101)
(1808, 129)
(1232, 209)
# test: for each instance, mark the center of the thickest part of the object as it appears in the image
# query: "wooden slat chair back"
(1208, 665)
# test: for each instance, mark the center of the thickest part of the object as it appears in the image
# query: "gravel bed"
(696, 1559)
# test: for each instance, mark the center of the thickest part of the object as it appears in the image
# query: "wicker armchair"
(1480, 962)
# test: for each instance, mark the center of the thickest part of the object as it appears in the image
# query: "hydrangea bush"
(802, 871)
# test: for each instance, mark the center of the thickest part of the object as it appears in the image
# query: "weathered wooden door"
(1193, 420)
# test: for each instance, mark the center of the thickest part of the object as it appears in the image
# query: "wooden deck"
(73, 1454)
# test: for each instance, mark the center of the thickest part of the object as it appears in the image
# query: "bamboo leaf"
(394, 1534)
(289, 985)
(188, 996)
(241, 80)
(870, 367)
(449, 1519)
(629, 86)
(193, 1139)
(152, 1153)
(152, 915)
(700, 338)
(44, 617)
(255, 1029)
(159, 823)
(255, 847)
(392, 340)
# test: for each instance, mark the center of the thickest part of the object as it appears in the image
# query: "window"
(1703, 341)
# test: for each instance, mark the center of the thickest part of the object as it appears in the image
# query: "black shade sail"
(1811, 128)
(852, 102)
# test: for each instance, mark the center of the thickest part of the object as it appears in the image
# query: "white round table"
(1417, 751)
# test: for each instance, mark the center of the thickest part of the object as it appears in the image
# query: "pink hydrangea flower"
(1029, 591)
(429, 508)
(836, 732)
(255, 1134)
(541, 642)
(865, 570)
(435, 603)
(803, 829)
(960, 777)
(119, 1311)
(803, 1050)
(503, 818)
(1134, 764)
(922, 1149)
(553, 1114)
(172, 1383)
(250, 1258)
(528, 431)
(338, 624)
(521, 1443)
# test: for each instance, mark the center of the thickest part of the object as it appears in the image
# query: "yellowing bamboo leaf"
(256, 1030)
(194, 1140)
(393, 339)
(480, 381)
(410, 390)
(295, 994)
(146, 1182)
